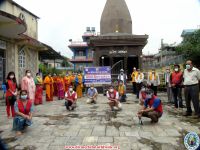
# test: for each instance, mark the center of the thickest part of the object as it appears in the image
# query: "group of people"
(188, 80)
(70, 88)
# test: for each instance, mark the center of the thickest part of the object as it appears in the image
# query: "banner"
(97, 75)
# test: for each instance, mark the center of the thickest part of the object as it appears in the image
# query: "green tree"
(190, 47)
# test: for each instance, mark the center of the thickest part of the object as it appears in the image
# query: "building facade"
(19, 46)
(82, 53)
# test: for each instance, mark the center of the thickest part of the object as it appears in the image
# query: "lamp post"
(102, 58)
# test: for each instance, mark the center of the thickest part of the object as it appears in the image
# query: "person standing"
(79, 85)
(39, 89)
(11, 93)
(48, 82)
(191, 77)
(167, 75)
(67, 82)
(153, 81)
(72, 79)
(28, 84)
(122, 91)
(139, 77)
(122, 77)
(92, 94)
(55, 88)
(176, 80)
(23, 110)
(60, 88)
(133, 80)
(71, 98)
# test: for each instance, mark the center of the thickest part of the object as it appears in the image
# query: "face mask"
(168, 71)
(121, 72)
(28, 74)
(188, 67)
(148, 96)
(23, 97)
(70, 89)
(121, 83)
(92, 88)
(176, 69)
(11, 77)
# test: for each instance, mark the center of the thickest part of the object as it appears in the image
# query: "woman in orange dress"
(79, 85)
(48, 81)
(67, 82)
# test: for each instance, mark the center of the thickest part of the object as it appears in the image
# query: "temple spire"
(116, 18)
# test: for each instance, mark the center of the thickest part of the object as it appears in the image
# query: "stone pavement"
(54, 127)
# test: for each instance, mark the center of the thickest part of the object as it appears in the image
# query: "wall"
(31, 21)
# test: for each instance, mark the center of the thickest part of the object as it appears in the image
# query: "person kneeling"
(152, 107)
(92, 95)
(70, 98)
(23, 113)
(113, 97)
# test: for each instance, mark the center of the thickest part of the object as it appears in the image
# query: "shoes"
(187, 114)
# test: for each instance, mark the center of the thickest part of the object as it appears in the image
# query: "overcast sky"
(62, 20)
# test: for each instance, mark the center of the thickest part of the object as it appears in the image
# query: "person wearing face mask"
(113, 97)
(11, 93)
(176, 79)
(92, 94)
(122, 91)
(134, 73)
(23, 110)
(39, 89)
(28, 84)
(152, 107)
(122, 76)
(153, 81)
(48, 81)
(79, 85)
(70, 99)
(191, 77)
(67, 82)
(139, 79)
(167, 75)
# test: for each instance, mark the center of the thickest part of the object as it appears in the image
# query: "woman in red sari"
(61, 89)
(39, 89)
(11, 93)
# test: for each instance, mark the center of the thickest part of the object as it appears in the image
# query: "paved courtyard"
(54, 127)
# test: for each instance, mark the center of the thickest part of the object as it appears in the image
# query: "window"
(21, 58)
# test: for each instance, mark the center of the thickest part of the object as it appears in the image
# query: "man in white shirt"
(191, 82)
(122, 77)
(139, 80)
(167, 75)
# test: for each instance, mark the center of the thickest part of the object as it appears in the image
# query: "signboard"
(2, 44)
(97, 75)
(118, 52)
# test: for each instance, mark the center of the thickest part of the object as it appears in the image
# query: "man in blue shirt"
(92, 94)
(152, 107)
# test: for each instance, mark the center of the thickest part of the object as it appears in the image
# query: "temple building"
(116, 46)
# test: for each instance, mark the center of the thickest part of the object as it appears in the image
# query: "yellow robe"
(79, 87)
(48, 81)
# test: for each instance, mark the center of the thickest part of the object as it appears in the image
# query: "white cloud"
(62, 20)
